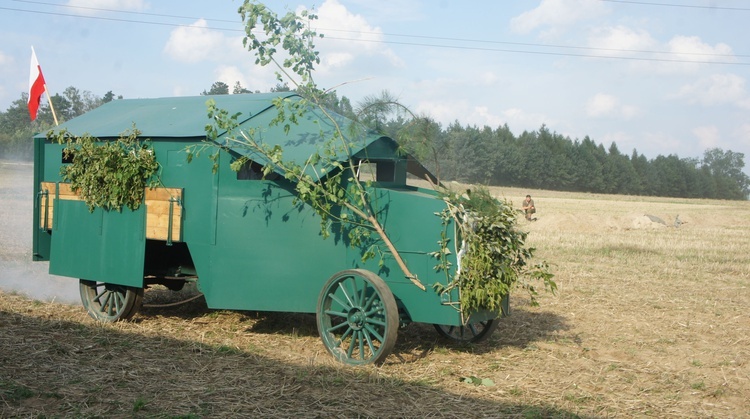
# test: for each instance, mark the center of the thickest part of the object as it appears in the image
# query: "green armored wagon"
(242, 237)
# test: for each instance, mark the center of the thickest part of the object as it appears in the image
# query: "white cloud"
(521, 120)
(197, 42)
(347, 37)
(604, 105)
(691, 48)
(714, 90)
(443, 112)
(620, 40)
(708, 136)
(447, 112)
(89, 7)
(661, 143)
(684, 55)
(230, 75)
(556, 14)
(601, 105)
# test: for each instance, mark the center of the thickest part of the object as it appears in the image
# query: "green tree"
(726, 167)
(238, 89)
(218, 88)
(507, 169)
(588, 167)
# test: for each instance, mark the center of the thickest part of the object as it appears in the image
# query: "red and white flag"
(36, 85)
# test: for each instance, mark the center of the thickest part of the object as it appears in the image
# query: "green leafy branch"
(492, 255)
(108, 174)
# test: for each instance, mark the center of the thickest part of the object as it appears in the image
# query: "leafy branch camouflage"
(108, 174)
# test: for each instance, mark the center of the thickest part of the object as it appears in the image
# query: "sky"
(658, 76)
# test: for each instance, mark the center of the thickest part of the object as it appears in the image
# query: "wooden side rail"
(163, 209)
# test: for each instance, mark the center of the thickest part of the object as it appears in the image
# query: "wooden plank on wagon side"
(158, 202)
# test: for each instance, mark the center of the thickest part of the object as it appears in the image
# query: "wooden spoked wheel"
(109, 303)
(357, 317)
(469, 333)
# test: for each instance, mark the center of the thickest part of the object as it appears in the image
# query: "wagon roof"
(168, 117)
(186, 118)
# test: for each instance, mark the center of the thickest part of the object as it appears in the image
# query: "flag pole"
(52, 108)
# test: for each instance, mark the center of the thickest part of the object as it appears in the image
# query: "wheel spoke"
(111, 303)
(353, 290)
(341, 303)
(352, 342)
(345, 335)
(361, 344)
(369, 339)
(346, 294)
(336, 313)
(366, 306)
(98, 296)
(118, 301)
(374, 332)
(103, 304)
(377, 322)
(337, 327)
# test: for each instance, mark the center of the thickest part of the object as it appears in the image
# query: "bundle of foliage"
(492, 255)
(108, 174)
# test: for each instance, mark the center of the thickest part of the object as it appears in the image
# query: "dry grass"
(650, 321)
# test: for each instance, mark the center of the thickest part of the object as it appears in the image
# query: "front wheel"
(357, 317)
(470, 333)
(109, 303)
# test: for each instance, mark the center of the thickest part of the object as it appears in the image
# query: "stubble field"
(650, 321)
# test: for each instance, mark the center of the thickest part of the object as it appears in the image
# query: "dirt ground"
(650, 321)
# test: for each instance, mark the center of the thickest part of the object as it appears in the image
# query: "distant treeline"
(492, 156)
(546, 160)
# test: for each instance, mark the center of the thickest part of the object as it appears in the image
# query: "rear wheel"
(469, 333)
(357, 317)
(109, 302)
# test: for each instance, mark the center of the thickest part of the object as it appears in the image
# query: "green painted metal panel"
(269, 253)
(408, 216)
(200, 187)
(41, 239)
(105, 246)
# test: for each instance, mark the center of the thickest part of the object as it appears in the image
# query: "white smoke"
(18, 273)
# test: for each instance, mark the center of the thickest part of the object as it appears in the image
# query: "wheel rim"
(472, 332)
(357, 317)
(109, 302)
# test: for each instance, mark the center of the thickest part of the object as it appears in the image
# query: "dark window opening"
(251, 170)
(378, 171)
(67, 157)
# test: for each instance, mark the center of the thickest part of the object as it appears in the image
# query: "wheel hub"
(356, 318)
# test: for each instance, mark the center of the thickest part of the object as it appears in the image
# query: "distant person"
(528, 208)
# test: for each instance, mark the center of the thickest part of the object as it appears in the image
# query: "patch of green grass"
(139, 404)
(696, 363)
(12, 392)
(225, 349)
(577, 398)
(441, 350)
(700, 385)
(718, 392)
(534, 412)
